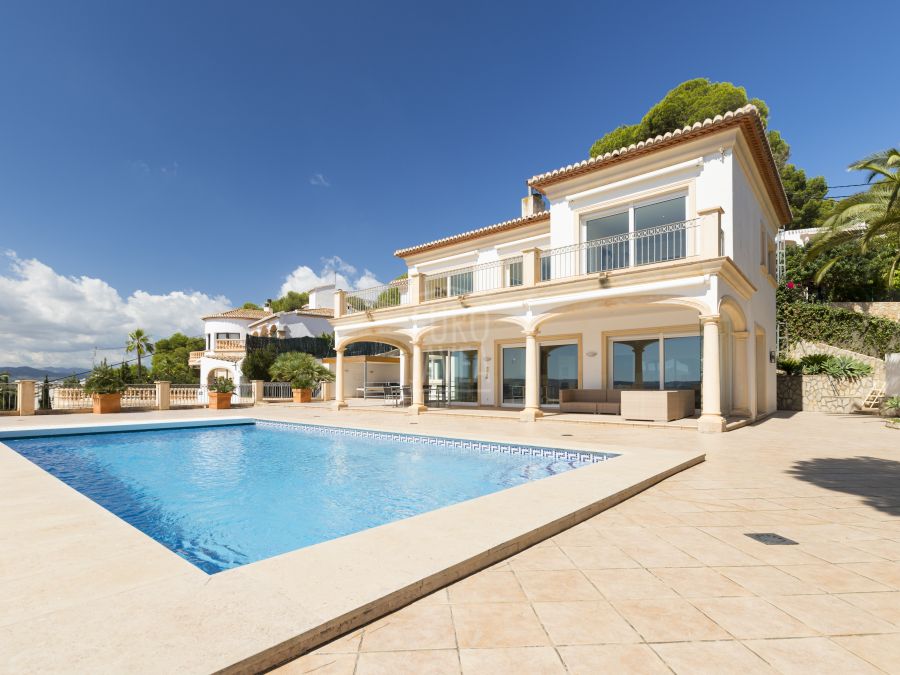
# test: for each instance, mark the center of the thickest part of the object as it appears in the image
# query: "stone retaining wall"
(887, 310)
(819, 393)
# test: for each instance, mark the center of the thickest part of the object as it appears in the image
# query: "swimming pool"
(225, 496)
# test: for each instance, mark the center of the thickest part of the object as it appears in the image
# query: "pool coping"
(166, 613)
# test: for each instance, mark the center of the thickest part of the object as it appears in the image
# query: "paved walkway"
(668, 581)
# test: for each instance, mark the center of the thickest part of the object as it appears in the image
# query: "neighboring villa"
(226, 333)
(653, 270)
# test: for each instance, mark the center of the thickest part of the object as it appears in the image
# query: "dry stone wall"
(888, 310)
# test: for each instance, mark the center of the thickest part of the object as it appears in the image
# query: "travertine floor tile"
(487, 586)
(698, 582)
(599, 557)
(833, 578)
(411, 628)
(636, 659)
(809, 655)
(882, 651)
(434, 662)
(749, 618)
(830, 615)
(541, 558)
(556, 585)
(492, 625)
(576, 623)
(321, 664)
(714, 658)
(883, 605)
(669, 620)
(511, 661)
(629, 584)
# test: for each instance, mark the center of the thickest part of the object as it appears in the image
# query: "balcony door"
(636, 234)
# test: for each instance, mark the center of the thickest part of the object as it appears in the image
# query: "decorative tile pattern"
(571, 456)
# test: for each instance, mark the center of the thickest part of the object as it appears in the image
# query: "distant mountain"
(29, 373)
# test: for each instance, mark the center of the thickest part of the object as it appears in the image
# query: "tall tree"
(250, 305)
(865, 218)
(699, 99)
(139, 343)
(290, 301)
(171, 358)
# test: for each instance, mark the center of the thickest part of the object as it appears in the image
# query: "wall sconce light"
(772, 356)
(591, 354)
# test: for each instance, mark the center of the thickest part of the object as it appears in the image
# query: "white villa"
(226, 333)
(652, 272)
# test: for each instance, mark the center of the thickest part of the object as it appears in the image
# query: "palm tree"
(139, 343)
(866, 216)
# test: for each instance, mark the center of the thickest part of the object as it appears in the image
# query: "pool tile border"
(589, 457)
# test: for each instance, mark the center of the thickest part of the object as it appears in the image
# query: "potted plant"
(304, 373)
(891, 407)
(220, 393)
(105, 387)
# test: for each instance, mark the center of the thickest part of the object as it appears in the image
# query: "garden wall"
(819, 393)
(802, 348)
(887, 310)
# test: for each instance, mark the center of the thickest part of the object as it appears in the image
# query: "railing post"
(531, 267)
(163, 395)
(710, 232)
(257, 387)
(25, 397)
(340, 303)
(416, 288)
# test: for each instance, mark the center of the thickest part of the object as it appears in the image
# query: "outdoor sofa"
(593, 401)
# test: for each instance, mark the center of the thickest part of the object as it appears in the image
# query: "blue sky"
(215, 147)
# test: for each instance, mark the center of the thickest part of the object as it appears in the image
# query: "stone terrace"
(668, 581)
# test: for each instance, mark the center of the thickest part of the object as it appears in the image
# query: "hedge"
(870, 335)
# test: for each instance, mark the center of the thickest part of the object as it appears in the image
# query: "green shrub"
(104, 379)
(838, 368)
(300, 369)
(891, 407)
(222, 385)
(257, 363)
(789, 366)
(869, 335)
(846, 368)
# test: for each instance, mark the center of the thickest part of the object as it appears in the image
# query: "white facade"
(657, 260)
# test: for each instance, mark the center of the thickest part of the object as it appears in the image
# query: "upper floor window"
(638, 235)
(228, 336)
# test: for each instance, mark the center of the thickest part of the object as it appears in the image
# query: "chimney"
(268, 306)
(532, 204)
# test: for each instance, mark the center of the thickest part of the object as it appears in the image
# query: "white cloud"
(319, 180)
(334, 271)
(49, 319)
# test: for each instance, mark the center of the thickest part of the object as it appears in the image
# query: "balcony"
(672, 242)
(230, 349)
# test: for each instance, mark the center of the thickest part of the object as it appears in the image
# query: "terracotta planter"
(219, 400)
(302, 395)
(106, 403)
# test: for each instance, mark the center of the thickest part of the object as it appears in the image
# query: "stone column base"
(338, 405)
(711, 424)
(416, 409)
(530, 414)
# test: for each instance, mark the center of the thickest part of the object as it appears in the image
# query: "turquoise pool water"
(226, 496)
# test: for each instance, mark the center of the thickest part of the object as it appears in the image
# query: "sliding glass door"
(657, 362)
(513, 393)
(452, 377)
(559, 370)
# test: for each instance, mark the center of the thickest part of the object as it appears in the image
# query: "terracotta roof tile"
(747, 117)
(240, 313)
(474, 234)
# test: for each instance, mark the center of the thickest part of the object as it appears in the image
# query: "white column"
(740, 378)
(339, 402)
(711, 420)
(418, 380)
(404, 368)
(532, 379)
